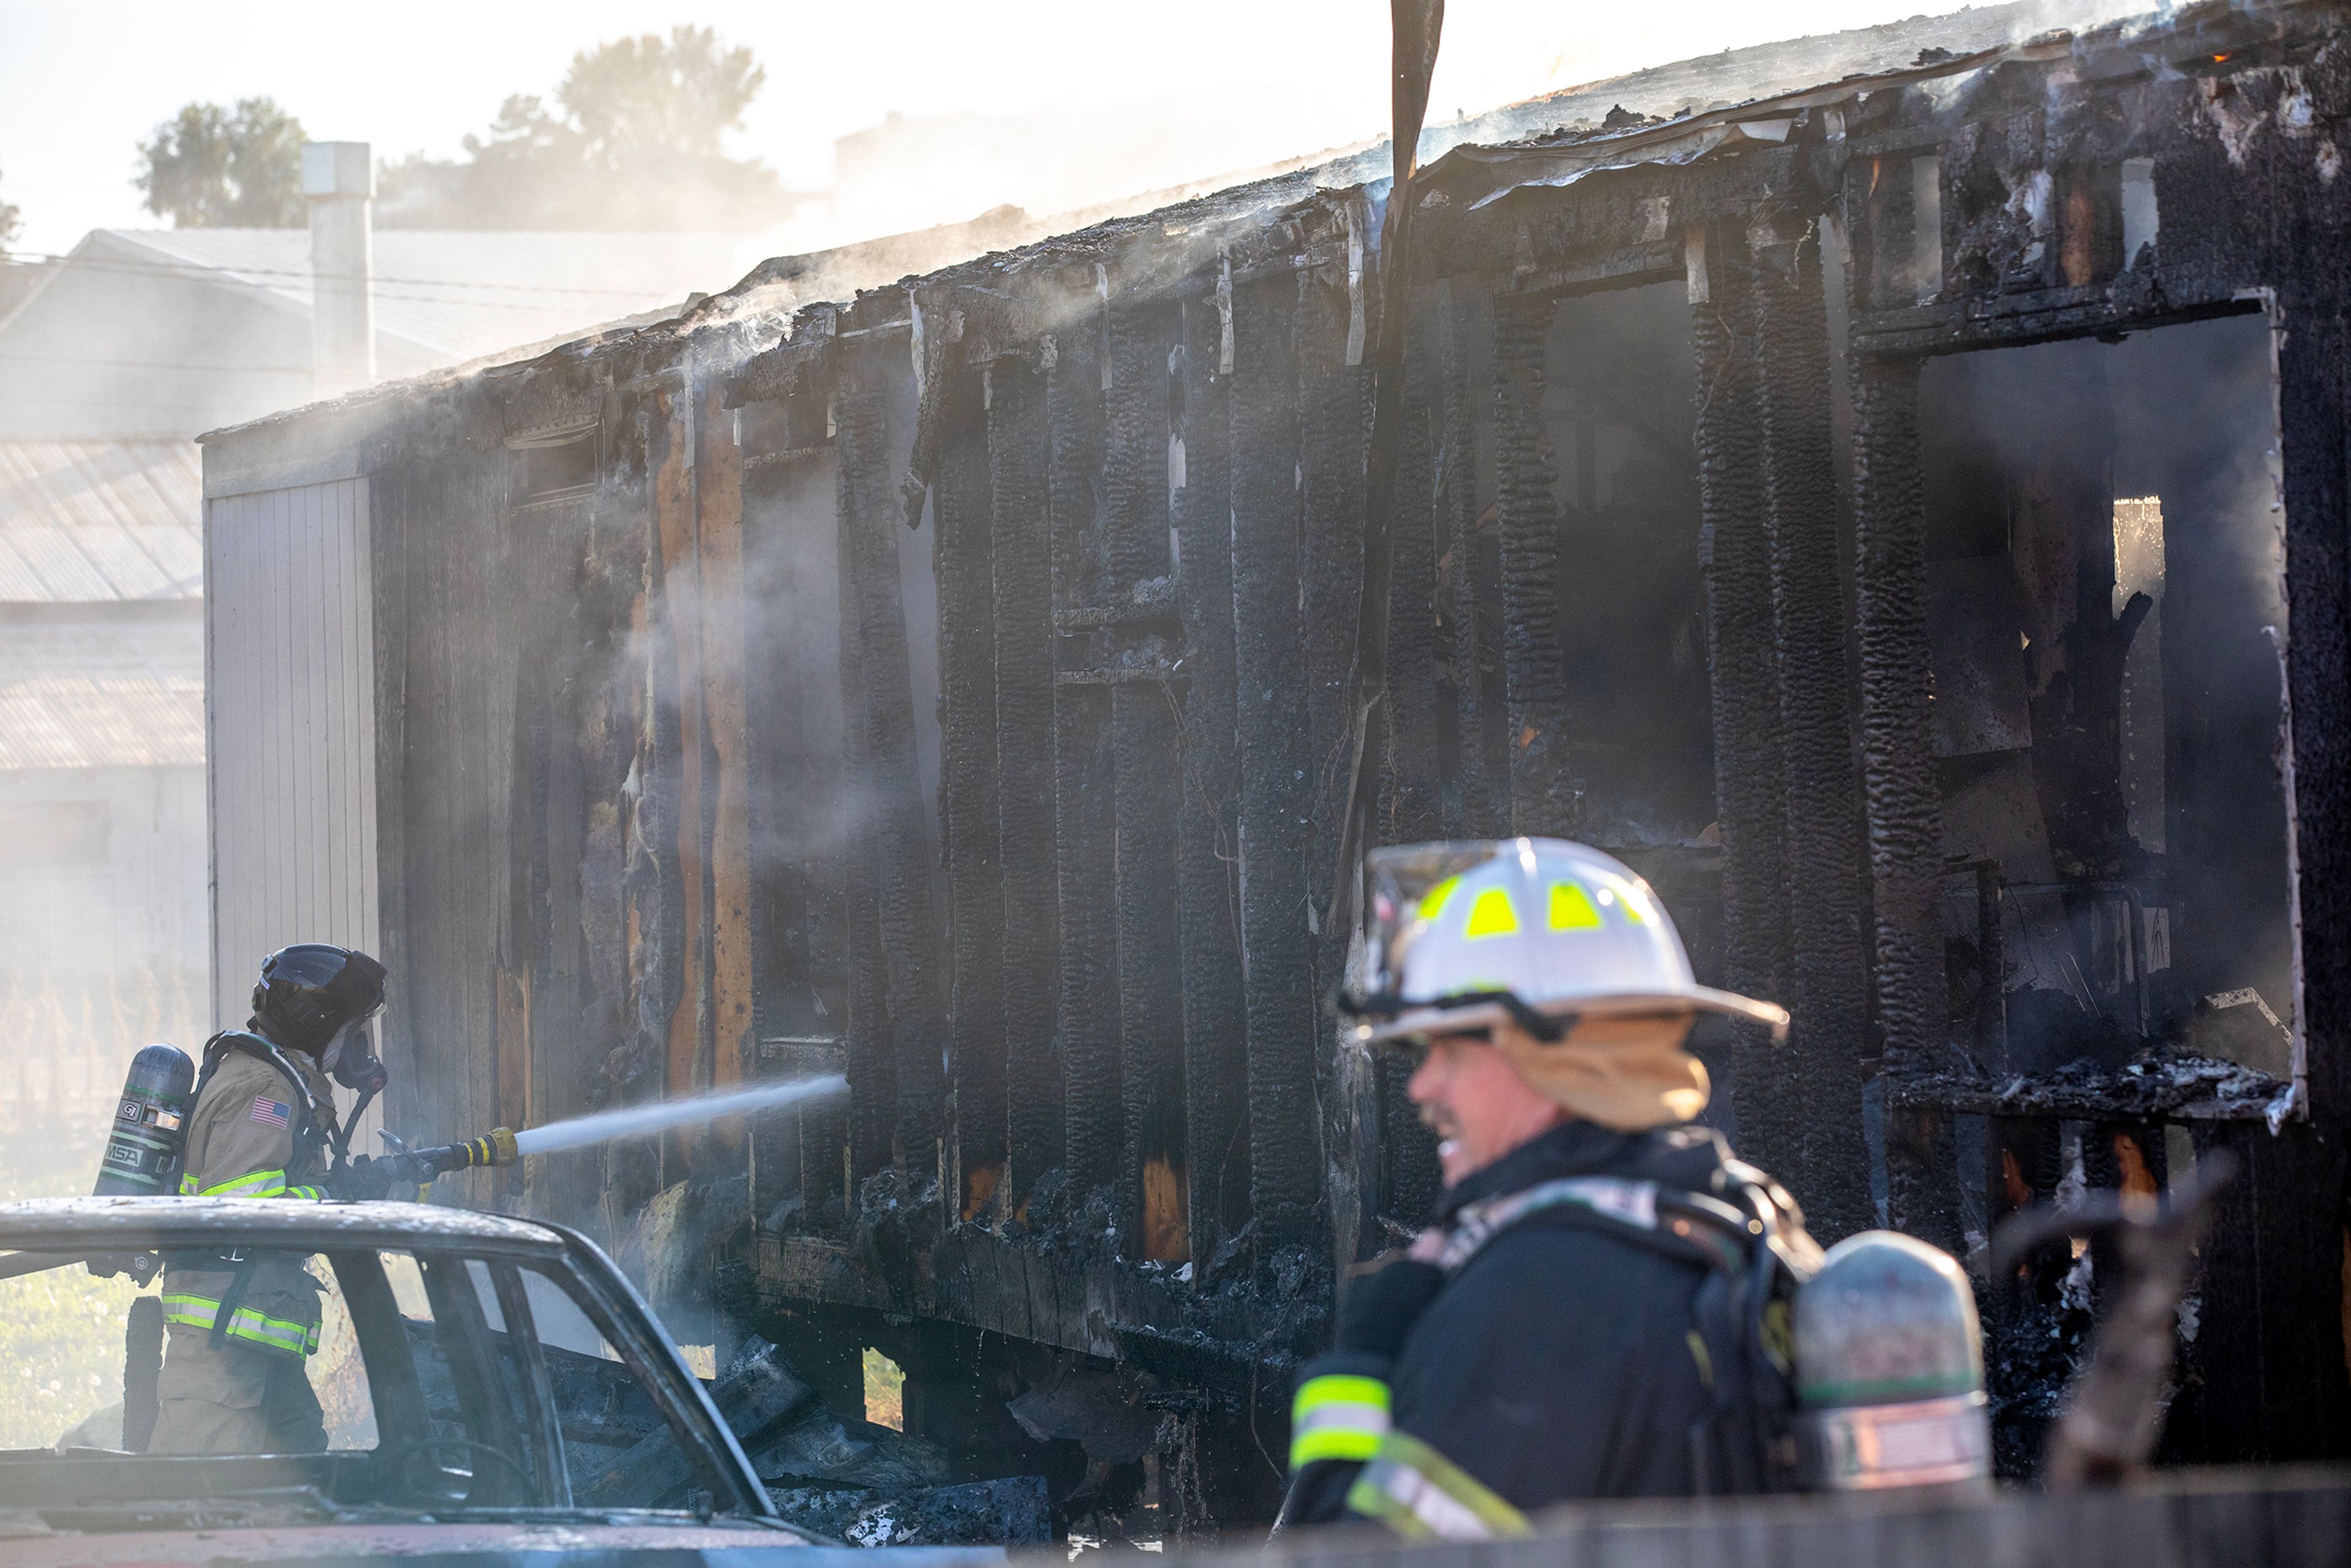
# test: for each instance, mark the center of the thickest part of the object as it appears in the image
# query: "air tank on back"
(1889, 1369)
(148, 1147)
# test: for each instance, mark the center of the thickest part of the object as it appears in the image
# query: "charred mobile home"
(1905, 518)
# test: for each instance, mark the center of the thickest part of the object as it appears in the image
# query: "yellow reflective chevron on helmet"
(1452, 929)
(1571, 908)
(1493, 915)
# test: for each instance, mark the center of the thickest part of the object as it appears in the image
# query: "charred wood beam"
(905, 908)
(1150, 975)
(1905, 813)
(1334, 411)
(2314, 390)
(1086, 819)
(1750, 786)
(1215, 1060)
(1411, 792)
(970, 818)
(1411, 797)
(1334, 418)
(797, 814)
(1921, 1175)
(1546, 795)
(1147, 763)
(665, 879)
(1019, 449)
(1269, 735)
(861, 440)
(609, 682)
(1084, 793)
(1899, 779)
(1827, 972)
(2272, 1368)
(2274, 1253)
(730, 1046)
(1134, 450)
(1469, 573)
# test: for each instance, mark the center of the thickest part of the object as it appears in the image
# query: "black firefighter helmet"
(317, 998)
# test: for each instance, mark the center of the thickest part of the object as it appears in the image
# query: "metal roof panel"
(101, 692)
(89, 521)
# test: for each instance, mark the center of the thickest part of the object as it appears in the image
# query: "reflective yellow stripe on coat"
(1423, 1496)
(244, 1323)
(1337, 1416)
(252, 1184)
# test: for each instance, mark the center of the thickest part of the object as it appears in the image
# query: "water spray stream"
(637, 1121)
(502, 1147)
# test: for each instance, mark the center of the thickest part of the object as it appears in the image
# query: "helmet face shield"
(1400, 881)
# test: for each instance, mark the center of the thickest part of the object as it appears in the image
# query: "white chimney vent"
(338, 182)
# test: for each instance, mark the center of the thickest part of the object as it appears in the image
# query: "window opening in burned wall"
(2107, 609)
(553, 464)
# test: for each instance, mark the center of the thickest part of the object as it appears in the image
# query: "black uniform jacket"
(1558, 1364)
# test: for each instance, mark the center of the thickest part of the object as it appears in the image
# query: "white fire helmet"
(1462, 936)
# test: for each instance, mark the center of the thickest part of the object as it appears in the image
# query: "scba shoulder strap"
(305, 1126)
(1719, 1233)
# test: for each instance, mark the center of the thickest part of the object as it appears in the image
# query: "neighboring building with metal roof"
(84, 522)
(124, 351)
(153, 332)
(102, 884)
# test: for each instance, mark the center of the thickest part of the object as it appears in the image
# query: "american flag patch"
(269, 1112)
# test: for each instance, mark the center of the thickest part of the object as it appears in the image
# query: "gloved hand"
(1383, 1305)
(365, 1179)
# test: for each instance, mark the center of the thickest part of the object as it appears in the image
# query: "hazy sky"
(81, 84)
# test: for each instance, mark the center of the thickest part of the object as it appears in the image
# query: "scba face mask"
(351, 1059)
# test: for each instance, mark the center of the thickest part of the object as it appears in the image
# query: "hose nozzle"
(494, 1147)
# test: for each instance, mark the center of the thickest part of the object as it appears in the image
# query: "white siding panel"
(291, 726)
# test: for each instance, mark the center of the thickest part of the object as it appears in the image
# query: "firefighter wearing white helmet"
(1601, 1308)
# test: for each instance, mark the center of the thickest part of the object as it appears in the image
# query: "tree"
(218, 167)
(634, 138)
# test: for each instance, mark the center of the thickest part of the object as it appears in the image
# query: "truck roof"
(79, 1224)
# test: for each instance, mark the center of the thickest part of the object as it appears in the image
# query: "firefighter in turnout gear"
(1602, 1308)
(262, 1125)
